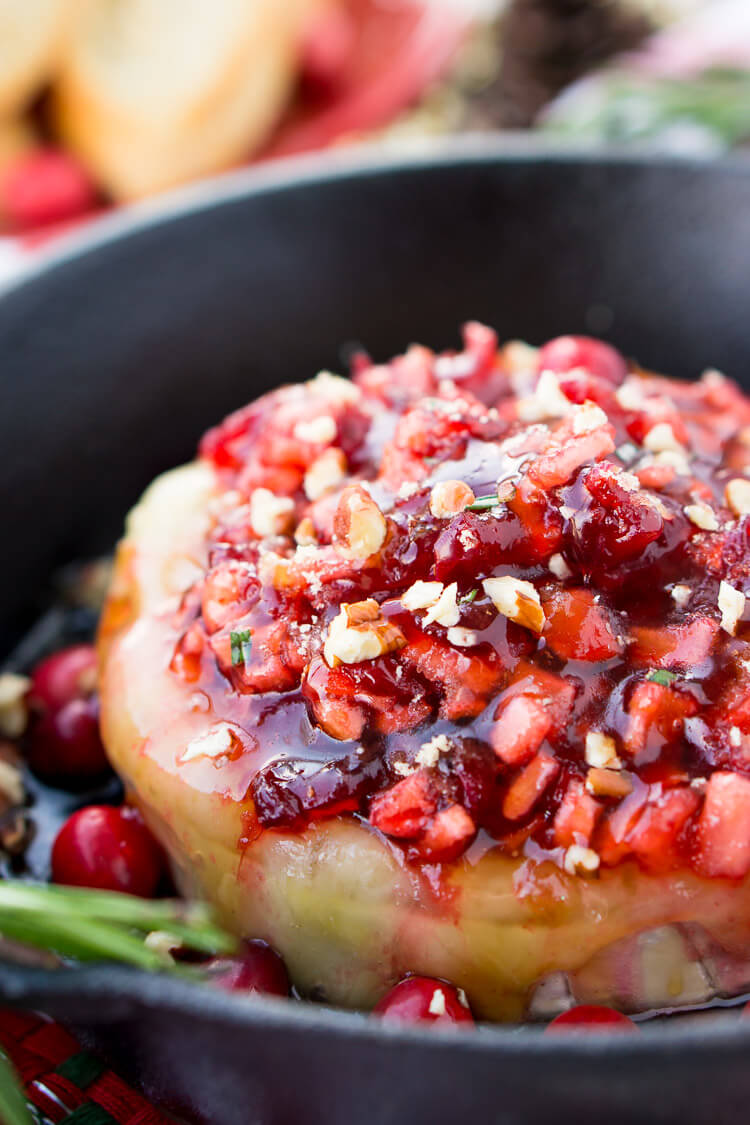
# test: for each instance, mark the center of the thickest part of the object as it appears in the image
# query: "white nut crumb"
(162, 942)
(270, 514)
(588, 417)
(429, 752)
(601, 751)
(547, 401)
(437, 1003)
(681, 595)
(317, 431)
(304, 535)
(408, 489)
(731, 602)
(226, 502)
(421, 595)
(580, 861)
(11, 783)
(737, 495)
(670, 459)
(335, 388)
(403, 769)
(359, 526)
(461, 637)
(468, 538)
(445, 611)
(628, 452)
(558, 566)
(517, 600)
(735, 736)
(449, 497)
(661, 438)
(326, 473)
(13, 710)
(213, 744)
(519, 358)
(273, 569)
(702, 515)
(360, 633)
(610, 782)
(630, 395)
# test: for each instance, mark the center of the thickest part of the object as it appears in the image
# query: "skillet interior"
(117, 354)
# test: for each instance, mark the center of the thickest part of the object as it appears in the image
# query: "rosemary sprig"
(241, 644)
(13, 1108)
(661, 676)
(91, 925)
(483, 502)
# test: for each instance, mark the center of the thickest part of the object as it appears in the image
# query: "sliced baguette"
(153, 93)
(17, 137)
(32, 33)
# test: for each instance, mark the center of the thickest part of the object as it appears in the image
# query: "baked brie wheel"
(443, 669)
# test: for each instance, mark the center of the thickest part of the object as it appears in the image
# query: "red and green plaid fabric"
(66, 1085)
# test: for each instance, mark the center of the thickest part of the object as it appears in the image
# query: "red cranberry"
(590, 1017)
(257, 969)
(65, 746)
(110, 849)
(424, 1000)
(67, 674)
(45, 187)
(567, 353)
(326, 51)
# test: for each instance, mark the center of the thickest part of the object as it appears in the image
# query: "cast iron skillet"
(116, 354)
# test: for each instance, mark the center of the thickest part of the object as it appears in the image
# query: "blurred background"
(107, 101)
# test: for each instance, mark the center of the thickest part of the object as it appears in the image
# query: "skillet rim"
(352, 163)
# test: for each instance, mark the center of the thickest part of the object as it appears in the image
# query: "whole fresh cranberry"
(67, 674)
(110, 849)
(258, 968)
(590, 1017)
(63, 743)
(46, 186)
(326, 50)
(425, 1000)
(65, 746)
(571, 353)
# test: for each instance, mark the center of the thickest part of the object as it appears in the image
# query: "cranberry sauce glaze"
(487, 599)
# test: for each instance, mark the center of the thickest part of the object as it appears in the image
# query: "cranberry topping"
(489, 598)
(290, 792)
(566, 355)
(425, 1000)
(258, 968)
(590, 1017)
(110, 849)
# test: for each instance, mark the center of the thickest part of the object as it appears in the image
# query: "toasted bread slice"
(17, 137)
(154, 93)
(31, 36)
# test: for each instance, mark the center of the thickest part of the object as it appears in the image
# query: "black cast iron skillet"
(119, 351)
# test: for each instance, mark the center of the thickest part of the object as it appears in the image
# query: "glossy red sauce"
(619, 495)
